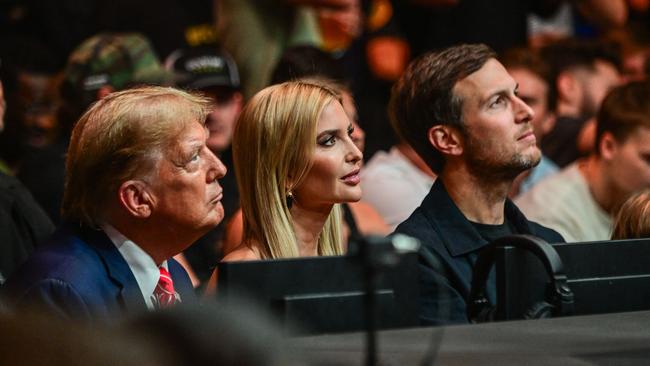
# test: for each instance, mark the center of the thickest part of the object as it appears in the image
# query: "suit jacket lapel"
(117, 269)
(182, 282)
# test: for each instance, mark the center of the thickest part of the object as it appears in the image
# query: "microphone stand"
(376, 254)
(370, 307)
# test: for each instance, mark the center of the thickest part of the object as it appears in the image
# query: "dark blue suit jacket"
(444, 231)
(80, 274)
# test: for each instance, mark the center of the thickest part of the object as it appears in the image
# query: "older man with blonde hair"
(141, 186)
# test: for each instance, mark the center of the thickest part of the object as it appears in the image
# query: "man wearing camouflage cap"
(101, 64)
(108, 62)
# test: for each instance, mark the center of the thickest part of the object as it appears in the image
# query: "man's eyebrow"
(503, 92)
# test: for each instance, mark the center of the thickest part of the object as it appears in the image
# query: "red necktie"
(164, 294)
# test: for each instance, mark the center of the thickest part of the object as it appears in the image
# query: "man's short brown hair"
(423, 97)
(623, 111)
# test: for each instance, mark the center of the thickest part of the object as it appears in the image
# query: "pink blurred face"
(533, 90)
(334, 175)
(221, 122)
(596, 84)
(629, 165)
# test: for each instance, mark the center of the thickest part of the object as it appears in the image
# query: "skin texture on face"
(358, 136)
(498, 137)
(185, 193)
(595, 84)
(334, 175)
(221, 122)
(628, 163)
(533, 90)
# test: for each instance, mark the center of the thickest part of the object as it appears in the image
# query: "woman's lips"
(352, 178)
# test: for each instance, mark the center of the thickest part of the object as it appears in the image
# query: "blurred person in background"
(23, 223)
(581, 74)
(581, 200)
(31, 81)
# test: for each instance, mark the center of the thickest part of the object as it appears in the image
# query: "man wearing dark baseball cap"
(212, 71)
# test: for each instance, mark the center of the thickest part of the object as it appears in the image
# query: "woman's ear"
(136, 199)
(446, 139)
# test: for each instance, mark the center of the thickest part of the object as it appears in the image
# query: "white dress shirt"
(144, 269)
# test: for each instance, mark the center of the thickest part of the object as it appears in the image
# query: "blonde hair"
(633, 219)
(122, 137)
(273, 143)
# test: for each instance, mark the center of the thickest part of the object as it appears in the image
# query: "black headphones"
(558, 300)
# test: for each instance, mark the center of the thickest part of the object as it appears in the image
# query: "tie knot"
(164, 294)
(165, 281)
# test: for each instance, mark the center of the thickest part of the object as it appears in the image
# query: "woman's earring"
(289, 199)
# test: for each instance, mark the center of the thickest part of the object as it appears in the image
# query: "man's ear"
(567, 87)
(607, 146)
(136, 199)
(239, 100)
(446, 139)
(547, 123)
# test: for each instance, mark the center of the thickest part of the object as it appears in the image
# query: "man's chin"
(536, 159)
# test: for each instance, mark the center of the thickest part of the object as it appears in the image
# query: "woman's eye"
(328, 141)
(350, 131)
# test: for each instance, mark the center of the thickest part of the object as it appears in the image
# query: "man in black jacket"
(460, 111)
(23, 224)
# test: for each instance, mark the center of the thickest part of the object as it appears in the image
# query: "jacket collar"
(117, 269)
(457, 233)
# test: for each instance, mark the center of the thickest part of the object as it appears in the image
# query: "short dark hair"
(423, 97)
(623, 111)
(576, 53)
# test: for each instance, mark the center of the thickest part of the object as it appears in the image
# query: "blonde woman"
(295, 162)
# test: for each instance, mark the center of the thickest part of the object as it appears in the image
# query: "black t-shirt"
(493, 232)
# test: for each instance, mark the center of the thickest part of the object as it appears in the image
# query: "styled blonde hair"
(122, 137)
(633, 219)
(273, 145)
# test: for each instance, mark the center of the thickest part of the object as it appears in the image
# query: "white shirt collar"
(144, 268)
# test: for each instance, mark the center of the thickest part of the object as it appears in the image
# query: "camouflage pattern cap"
(118, 60)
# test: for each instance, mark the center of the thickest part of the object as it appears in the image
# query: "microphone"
(382, 252)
